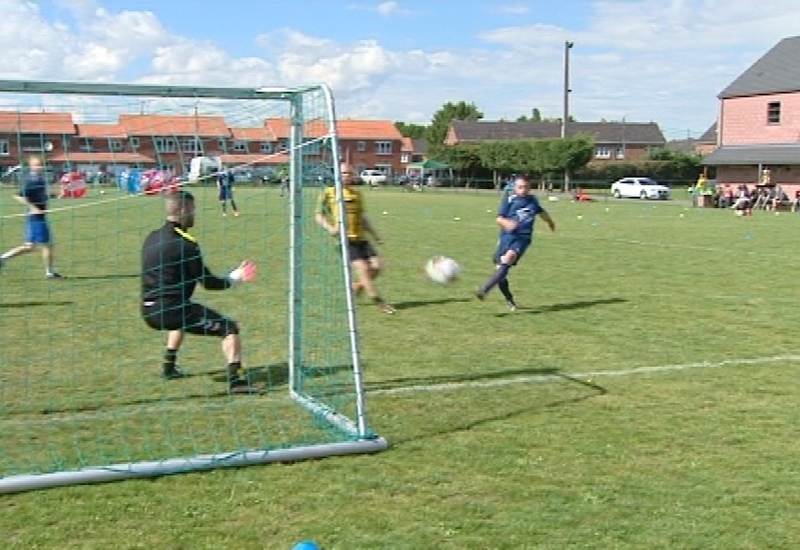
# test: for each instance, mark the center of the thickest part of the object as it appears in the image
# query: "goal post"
(81, 396)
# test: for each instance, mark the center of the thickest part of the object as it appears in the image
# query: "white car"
(639, 188)
(373, 177)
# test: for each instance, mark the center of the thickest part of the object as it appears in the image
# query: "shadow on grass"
(13, 305)
(109, 277)
(424, 303)
(591, 390)
(402, 383)
(566, 306)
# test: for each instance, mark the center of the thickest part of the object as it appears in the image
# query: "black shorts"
(360, 250)
(190, 317)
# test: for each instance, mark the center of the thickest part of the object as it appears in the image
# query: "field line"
(543, 378)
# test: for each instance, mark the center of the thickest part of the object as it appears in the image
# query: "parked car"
(373, 177)
(639, 188)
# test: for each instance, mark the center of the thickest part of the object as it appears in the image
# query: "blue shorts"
(37, 231)
(511, 242)
(225, 194)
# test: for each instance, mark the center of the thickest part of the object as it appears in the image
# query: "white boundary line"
(543, 378)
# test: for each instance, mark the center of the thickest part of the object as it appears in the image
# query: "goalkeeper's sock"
(234, 368)
(170, 356)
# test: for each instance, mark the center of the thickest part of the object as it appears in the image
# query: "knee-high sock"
(505, 288)
(498, 276)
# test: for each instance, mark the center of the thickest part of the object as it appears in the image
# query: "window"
(222, 144)
(165, 145)
(4, 148)
(385, 168)
(404, 158)
(265, 147)
(312, 147)
(134, 143)
(283, 145)
(168, 167)
(620, 153)
(192, 145)
(115, 145)
(774, 112)
(361, 146)
(240, 146)
(602, 153)
(86, 146)
(383, 147)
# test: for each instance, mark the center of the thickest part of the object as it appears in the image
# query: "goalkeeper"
(172, 265)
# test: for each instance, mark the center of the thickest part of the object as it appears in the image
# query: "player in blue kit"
(225, 187)
(515, 217)
(34, 196)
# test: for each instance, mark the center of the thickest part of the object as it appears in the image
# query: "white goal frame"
(363, 439)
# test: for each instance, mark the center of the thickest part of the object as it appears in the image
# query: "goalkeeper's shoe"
(55, 275)
(172, 373)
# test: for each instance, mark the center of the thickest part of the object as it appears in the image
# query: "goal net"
(82, 396)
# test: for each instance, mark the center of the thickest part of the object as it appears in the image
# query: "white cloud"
(663, 61)
(387, 8)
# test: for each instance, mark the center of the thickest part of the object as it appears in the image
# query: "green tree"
(437, 131)
(535, 116)
(416, 131)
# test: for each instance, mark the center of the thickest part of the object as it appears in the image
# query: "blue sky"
(646, 60)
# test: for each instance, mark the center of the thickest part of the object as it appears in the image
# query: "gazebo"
(417, 170)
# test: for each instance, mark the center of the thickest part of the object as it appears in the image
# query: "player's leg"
(361, 254)
(169, 369)
(505, 289)
(17, 251)
(505, 256)
(204, 321)
(233, 204)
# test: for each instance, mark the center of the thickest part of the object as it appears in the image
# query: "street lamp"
(567, 47)
(565, 116)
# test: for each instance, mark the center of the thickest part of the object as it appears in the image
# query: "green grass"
(539, 429)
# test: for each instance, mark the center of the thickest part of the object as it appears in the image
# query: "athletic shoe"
(480, 295)
(387, 308)
(172, 373)
(511, 305)
(55, 275)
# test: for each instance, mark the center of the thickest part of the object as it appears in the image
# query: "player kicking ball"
(516, 216)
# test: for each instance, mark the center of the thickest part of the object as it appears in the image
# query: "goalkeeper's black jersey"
(172, 265)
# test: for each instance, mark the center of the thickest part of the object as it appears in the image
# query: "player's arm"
(323, 214)
(504, 219)
(23, 199)
(547, 219)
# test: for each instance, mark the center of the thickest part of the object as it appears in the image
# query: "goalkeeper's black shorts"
(189, 317)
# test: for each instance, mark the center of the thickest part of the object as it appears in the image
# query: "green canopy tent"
(417, 170)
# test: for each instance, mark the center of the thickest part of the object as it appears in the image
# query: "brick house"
(173, 140)
(413, 150)
(614, 141)
(28, 133)
(170, 142)
(707, 143)
(759, 122)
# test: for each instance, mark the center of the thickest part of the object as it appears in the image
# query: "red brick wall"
(368, 158)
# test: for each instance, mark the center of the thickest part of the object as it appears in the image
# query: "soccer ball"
(442, 270)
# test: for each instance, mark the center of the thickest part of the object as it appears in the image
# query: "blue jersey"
(225, 180)
(522, 210)
(35, 191)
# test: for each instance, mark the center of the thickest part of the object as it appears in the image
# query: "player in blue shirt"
(34, 196)
(515, 217)
(225, 187)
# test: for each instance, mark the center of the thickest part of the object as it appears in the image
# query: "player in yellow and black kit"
(363, 256)
(172, 265)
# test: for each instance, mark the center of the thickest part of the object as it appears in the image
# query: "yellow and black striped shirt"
(354, 210)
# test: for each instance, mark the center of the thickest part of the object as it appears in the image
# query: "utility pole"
(565, 116)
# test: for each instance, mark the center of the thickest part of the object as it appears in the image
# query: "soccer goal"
(82, 399)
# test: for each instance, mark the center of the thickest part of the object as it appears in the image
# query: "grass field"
(644, 395)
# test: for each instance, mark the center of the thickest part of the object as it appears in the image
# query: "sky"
(663, 61)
